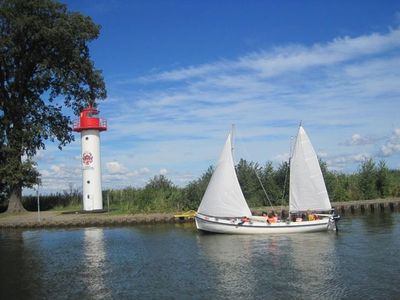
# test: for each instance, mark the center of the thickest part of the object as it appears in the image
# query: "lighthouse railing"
(94, 123)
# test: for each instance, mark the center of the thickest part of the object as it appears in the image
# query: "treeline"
(372, 180)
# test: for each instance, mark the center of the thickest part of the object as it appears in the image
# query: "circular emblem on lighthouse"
(87, 158)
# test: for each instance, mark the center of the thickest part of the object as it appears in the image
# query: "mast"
(291, 145)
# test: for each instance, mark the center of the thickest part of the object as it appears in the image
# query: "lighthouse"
(90, 125)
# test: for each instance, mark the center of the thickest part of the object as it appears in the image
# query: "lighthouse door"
(89, 202)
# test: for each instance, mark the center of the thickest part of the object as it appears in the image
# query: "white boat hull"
(233, 226)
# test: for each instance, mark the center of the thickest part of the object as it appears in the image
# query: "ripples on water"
(177, 262)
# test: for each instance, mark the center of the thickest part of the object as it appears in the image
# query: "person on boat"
(265, 215)
(244, 220)
(272, 218)
(310, 216)
(299, 218)
(275, 216)
(293, 217)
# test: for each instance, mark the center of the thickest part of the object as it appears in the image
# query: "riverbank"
(79, 219)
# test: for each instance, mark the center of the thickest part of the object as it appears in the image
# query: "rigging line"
(265, 192)
(259, 180)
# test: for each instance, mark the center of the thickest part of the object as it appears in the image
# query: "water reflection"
(16, 267)
(378, 221)
(301, 265)
(94, 261)
(229, 258)
(313, 264)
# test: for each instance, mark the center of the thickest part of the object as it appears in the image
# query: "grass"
(68, 208)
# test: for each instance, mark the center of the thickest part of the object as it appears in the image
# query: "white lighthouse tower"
(90, 126)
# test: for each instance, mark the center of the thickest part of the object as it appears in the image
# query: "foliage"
(248, 174)
(382, 180)
(45, 66)
(367, 179)
(161, 195)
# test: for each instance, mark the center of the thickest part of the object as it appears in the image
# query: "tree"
(367, 179)
(330, 179)
(272, 190)
(247, 173)
(159, 182)
(382, 180)
(281, 178)
(44, 66)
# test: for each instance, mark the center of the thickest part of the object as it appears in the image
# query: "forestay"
(307, 186)
(224, 197)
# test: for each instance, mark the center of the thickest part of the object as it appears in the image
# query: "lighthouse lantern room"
(90, 125)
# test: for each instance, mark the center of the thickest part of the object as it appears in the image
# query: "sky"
(180, 73)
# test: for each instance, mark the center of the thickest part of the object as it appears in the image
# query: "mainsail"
(307, 186)
(224, 197)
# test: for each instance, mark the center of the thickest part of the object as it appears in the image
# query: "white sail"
(307, 186)
(224, 197)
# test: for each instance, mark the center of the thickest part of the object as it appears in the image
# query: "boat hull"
(233, 226)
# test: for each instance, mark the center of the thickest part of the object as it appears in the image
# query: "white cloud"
(392, 146)
(58, 178)
(163, 171)
(322, 154)
(144, 170)
(359, 140)
(114, 167)
(340, 162)
(291, 58)
(58, 170)
(282, 157)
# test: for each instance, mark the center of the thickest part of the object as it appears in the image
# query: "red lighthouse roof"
(89, 119)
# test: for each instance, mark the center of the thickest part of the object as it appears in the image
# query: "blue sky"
(179, 73)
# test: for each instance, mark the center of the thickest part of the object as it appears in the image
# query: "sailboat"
(223, 208)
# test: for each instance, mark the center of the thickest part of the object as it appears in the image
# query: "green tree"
(330, 179)
(382, 179)
(394, 183)
(367, 179)
(247, 175)
(159, 182)
(281, 178)
(44, 66)
(273, 191)
(340, 187)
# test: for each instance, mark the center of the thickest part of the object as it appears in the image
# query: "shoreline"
(49, 219)
(57, 219)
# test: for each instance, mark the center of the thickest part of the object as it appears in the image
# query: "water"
(177, 262)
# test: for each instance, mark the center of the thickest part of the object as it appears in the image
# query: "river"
(171, 261)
